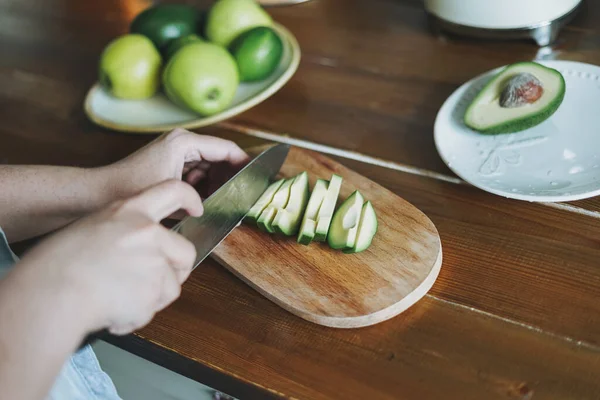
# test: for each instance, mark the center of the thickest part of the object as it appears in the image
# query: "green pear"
(202, 77)
(227, 19)
(130, 67)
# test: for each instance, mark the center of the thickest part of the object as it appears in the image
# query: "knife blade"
(226, 207)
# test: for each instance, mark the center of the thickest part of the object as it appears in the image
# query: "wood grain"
(326, 286)
(524, 261)
(514, 313)
(382, 95)
(374, 85)
(528, 271)
(435, 350)
(379, 91)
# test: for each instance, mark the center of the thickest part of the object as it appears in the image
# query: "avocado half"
(485, 114)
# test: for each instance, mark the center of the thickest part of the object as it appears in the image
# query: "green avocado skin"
(257, 52)
(165, 22)
(521, 124)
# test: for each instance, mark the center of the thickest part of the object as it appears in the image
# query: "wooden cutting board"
(329, 287)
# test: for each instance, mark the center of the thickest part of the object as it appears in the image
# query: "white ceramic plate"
(158, 114)
(557, 160)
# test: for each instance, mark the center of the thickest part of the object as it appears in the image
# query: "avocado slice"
(327, 207)
(309, 221)
(280, 200)
(287, 220)
(344, 225)
(519, 97)
(263, 201)
(367, 228)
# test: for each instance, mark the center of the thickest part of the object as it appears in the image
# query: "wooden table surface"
(515, 312)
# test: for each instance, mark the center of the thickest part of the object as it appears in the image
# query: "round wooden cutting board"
(329, 287)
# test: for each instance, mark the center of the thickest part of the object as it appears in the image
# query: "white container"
(539, 19)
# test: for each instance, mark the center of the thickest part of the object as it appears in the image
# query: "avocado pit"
(520, 90)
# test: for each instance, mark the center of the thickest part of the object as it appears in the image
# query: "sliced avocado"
(263, 201)
(519, 97)
(344, 224)
(327, 207)
(309, 223)
(280, 200)
(287, 220)
(367, 228)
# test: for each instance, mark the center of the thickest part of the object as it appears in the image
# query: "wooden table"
(515, 312)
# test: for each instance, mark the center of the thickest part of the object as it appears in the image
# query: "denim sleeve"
(82, 379)
(7, 258)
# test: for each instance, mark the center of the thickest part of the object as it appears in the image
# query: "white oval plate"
(158, 114)
(557, 160)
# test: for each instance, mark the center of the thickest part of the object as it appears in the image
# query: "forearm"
(35, 200)
(40, 328)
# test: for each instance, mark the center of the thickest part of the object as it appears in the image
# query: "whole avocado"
(165, 22)
(257, 53)
(177, 44)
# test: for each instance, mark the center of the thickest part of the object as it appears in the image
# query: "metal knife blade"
(226, 207)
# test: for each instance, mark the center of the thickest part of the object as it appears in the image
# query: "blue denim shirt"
(81, 377)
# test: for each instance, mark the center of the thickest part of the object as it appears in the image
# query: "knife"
(228, 206)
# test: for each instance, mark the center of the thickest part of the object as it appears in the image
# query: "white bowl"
(159, 114)
(557, 160)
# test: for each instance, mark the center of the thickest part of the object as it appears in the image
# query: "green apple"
(202, 77)
(130, 67)
(227, 19)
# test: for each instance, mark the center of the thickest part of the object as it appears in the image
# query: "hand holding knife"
(225, 208)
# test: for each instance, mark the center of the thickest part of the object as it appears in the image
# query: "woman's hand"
(179, 154)
(35, 200)
(119, 266)
(113, 269)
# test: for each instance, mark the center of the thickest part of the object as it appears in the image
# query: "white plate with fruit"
(181, 67)
(527, 131)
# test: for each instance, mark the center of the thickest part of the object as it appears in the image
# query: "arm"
(65, 289)
(41, 327)
(35, 200)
